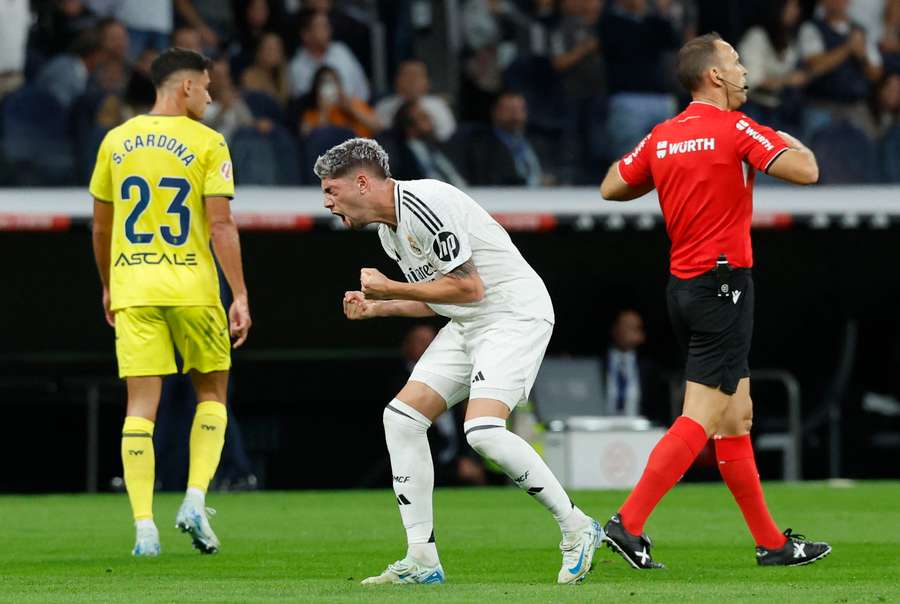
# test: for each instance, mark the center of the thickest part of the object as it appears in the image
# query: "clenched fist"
(356, 307)
(374, 285)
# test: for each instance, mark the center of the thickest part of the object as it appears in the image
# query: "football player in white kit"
(459, 263)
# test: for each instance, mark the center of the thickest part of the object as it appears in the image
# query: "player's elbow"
(610, 192)
(810, 175)
(472, 289)
(806, 173)
(222, 226)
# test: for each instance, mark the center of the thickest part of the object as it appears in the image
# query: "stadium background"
(828, 292)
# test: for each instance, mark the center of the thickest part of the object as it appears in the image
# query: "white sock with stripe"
(405, 431)
(489, 436)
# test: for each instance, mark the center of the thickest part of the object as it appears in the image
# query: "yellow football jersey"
(157, 170)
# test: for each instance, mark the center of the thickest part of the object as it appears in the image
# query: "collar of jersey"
(702, 107)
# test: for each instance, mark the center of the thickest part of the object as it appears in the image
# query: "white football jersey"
(439, 228)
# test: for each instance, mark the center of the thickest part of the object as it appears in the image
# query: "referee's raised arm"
(796, 165)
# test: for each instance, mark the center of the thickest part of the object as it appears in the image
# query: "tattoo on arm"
(464, 270)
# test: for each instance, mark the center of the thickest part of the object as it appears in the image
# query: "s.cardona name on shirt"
(158, 141)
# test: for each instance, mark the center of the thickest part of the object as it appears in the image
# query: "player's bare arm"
(102, 239)
(614, 187)
(462, 285)
(796, 165)
(357, 307)
(227, 245)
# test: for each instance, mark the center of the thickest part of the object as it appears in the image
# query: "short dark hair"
(505, 93)
(86, 44)
(694, 58)
(403, 118)
(305, 19)
(176, 59)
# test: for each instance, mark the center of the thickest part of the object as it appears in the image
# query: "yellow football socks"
(138, 462)
(207, 439)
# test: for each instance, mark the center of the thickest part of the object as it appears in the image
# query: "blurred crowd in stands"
(474, 92)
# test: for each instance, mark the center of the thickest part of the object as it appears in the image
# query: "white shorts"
(499, 361)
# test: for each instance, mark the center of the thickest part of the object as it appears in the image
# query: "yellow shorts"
(146, 338)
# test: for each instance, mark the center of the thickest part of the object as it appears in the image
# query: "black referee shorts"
(714, 333)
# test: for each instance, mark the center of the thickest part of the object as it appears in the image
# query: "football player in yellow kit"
(162, 187)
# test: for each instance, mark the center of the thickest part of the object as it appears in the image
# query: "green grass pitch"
(496, 545)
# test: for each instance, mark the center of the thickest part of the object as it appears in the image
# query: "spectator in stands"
(254, 20)
(213, 19)
(328, 104)
(189, 38)
(886, 105)
(575, 49)
(496, 24)
(633, 383)
(769, 52)
(268, 73)
(149, 24)
(346, 28)
(13, 39)
(491, 31)
(844, 63)
(544, 19)
(414, 151)
(140, 93)
(502, 155)
(66, 75)
(635, 37)
(60, 23)
(411, 84)
(575, 52)
(318, 49)
(889, 41)
(228, 112)
(872, 16)
(113, 67)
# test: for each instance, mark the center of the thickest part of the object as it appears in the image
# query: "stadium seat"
(269, 158)
(569, 387)
(845, 154)
(35, 138)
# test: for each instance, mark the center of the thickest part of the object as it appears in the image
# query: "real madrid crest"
(414, 246)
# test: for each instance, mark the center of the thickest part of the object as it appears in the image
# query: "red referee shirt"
(702, 163)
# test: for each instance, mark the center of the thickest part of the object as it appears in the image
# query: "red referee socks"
(669, 460)
(738, 469)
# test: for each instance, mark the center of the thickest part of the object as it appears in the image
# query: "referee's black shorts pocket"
(714, 333)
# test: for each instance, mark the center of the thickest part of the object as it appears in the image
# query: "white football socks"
(490, 438)
(405, 431)
(196, 496)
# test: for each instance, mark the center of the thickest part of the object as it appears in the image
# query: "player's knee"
(747, 421)
(398, 417)
(483, 432)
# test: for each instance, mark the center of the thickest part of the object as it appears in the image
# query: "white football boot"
(578, 552)
(192, 519)
(407, 571)
(146, 542)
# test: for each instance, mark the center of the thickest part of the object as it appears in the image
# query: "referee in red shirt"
(702, 163)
